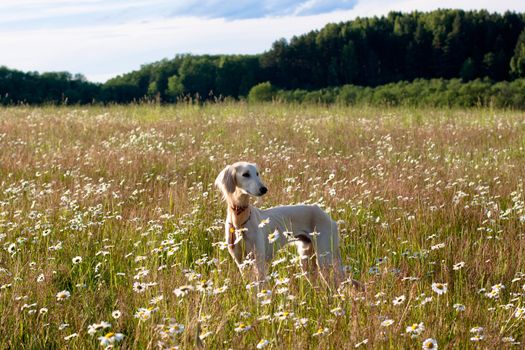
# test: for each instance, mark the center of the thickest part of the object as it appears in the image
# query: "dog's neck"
(239, 209)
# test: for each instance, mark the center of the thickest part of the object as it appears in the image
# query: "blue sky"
(102, 39)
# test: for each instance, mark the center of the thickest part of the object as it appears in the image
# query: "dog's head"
(242, 176)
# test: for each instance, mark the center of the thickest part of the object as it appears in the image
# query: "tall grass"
(128, 189)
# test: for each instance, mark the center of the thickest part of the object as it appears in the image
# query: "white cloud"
(109, 46)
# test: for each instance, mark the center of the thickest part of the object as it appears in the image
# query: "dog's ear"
(226, 180)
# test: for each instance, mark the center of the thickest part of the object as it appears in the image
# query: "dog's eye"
(246, 174)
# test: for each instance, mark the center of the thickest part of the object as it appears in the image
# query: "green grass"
(130, 190)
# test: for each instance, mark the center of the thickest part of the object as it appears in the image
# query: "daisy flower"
(264, 222)
(95, 327)
(458, 266)
(477, 337)
(272, 237)
(71, 336)
(362, 342)
(439, 288)
(242, 327)
(157, 299)
(63, 295)
(264, 293)
(321, 331)
(116, 314)
(415, 329)
(144, 314)
(76, 260)
(476, 330)
(338, 311)
(399, 300)
(176, 328)
(387, 323)
(262, 343)
(459, 307)
(110, 338)
(430, 343)
(139, 287)
(183, 290)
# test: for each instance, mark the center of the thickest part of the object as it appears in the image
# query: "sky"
(105, 38)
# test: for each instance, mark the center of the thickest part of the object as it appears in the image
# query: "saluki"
(254, 235)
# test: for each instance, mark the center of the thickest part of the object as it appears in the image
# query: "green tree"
(468, 70)
(517, 63)
(175, 87)
(263, 92)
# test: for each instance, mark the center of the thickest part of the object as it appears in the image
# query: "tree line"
(365, 52)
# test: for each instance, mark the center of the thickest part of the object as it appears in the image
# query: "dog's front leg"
(260, 258)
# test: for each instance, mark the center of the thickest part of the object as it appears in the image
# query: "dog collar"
(238, 209)
(232, 229)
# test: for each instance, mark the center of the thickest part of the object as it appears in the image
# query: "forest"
(365, 55)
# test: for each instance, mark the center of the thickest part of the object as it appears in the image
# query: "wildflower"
(110, 338)
(314, 234)
(262, 343)
(264, 293)
(520, 312)
(321, 331)
(116, 314)
(279, 282)
(387, 323)
(157, 299)
(338, 311)
(11, 249)
(144, 314)
(399, 300)
(301, 322)
(477, 337)
(205, 335)
(458, 266)
(40, 278)
(220, 290)
(439, 288)
(139, 287)
(430, 343)
(476, 330)
(176, 328)
(459, 307)
(63, 295)
(71, 336)
(415, 329)
(282, 290)
(183, 290)
(95, 327)
(264, 222)
(43, 311)
(282, 315)
(362, 342)
(76, 260)
(241, 327)
(272, 237)
(437, 246)
(278, 261)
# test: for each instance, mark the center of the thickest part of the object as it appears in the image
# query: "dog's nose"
(263, 190)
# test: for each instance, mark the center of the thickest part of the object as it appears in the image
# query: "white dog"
(255, 233)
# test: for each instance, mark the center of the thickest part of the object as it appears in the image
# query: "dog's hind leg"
(328, 254)
(306, 251)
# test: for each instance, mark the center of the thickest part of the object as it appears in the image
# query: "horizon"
(101, 41)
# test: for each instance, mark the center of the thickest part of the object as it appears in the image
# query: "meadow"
(111, 231)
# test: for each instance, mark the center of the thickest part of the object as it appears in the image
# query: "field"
(111, 229)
